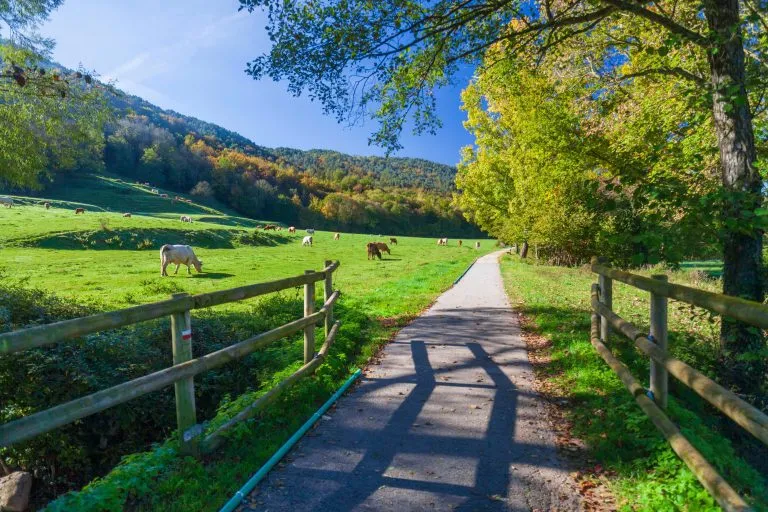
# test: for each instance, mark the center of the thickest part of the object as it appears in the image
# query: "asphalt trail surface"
(448, 420)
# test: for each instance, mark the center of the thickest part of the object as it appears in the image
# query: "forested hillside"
(319, 188)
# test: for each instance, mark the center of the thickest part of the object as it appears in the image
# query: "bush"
(37, 379)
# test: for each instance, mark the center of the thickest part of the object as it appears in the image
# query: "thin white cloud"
(149, 64)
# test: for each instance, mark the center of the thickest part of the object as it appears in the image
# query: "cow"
(79, 210)
(292, 229)
(460, 242)
(128, 215)
(179, 255)
(307, 241)
(155, 191)
(185, 218)
(270, 227)
(373, 251)
(393, 241)
(442, 241)
(477, 245)
(6, 201)
(336, 236)
(383, 247)
(310, 231)
(164, 196)
(47, 205)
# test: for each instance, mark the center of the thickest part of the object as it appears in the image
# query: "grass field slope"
(56, 264)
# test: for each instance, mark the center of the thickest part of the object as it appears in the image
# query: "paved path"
(447, 421)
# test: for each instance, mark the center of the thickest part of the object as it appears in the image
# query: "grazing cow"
(155, 191)
(292, 229)
(6, 201)
(270, 227)
(393, 241)
(47, 205)
(79, 210)
(310, 231)
(307, 241)
(442, 241)
(383, 247)
(127, 215)
(460, 242)
(164, 196)
(336, 236)
(185, 218)
(373, 251)
(179, 255)
(477, 245)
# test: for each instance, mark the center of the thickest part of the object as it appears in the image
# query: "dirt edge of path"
(590, 479)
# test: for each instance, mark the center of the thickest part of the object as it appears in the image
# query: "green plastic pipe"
(235, 500)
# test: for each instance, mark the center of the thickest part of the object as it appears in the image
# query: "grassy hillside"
(56, 265)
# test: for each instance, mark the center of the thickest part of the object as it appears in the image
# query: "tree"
(49, 119)
(352, 55)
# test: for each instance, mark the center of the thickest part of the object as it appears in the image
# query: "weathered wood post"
(186, 416)
(327, 295)
(309, 331)
(659, 376)
(606, 297)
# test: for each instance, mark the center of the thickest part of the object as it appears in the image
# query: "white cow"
(179, 255)
(185, 218)
(477, 245)
(307, 241)
(6, 201)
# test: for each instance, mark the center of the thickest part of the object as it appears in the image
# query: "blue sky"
(189, 56)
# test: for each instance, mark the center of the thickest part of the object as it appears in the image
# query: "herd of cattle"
(184, 255)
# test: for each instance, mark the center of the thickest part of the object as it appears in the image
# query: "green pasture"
(105, 261)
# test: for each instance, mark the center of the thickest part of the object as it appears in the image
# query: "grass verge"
(644, 473)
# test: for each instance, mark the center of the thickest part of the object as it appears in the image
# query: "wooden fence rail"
(185, 367)
(654, 345)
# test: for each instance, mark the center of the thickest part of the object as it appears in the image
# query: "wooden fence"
(654, 344)
(185, 366)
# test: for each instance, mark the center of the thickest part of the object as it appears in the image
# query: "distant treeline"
(325, 189)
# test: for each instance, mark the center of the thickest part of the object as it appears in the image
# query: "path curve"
(448, 420)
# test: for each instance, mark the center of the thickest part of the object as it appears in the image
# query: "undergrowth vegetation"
(646, 473)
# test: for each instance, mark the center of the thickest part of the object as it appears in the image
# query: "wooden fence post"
(309, 331)
(659, 376)
(186, 416)
(326, 295)
(606, 297)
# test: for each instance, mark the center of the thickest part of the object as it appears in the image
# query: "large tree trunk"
(742, 242)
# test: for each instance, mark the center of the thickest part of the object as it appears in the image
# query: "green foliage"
(548, 169)
(42, 130)
(644, 472)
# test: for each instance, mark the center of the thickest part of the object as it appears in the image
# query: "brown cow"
(270, 227)
(79, 210)
(383, 247)
(336, 236)
(373, 251)
(460, 242)
(393, 241)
